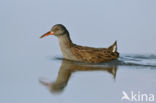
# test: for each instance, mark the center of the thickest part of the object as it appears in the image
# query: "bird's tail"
(113, 47)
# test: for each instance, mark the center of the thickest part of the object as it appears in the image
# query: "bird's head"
(56, 30)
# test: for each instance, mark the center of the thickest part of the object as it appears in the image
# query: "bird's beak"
(48, 33)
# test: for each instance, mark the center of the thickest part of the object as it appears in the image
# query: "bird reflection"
(69, 67)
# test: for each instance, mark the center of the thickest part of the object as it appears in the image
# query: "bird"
(74, 52)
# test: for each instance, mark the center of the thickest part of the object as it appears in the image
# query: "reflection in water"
(69, 67)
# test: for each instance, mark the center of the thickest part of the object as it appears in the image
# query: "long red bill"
(46, 34)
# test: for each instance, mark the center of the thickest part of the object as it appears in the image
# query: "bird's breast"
(66, 50)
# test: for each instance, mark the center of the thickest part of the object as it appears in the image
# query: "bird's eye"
(56, 29)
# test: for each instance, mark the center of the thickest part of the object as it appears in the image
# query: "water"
(32, 69)
(60, 81)
(68, 67)
(104, 81)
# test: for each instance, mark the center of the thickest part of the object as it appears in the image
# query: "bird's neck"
(65, 45)
(65, 41)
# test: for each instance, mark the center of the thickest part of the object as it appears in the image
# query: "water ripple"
(129, 60)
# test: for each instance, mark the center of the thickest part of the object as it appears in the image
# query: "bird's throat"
(66, 45)
(65, 41)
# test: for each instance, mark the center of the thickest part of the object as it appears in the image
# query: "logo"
(137, 97)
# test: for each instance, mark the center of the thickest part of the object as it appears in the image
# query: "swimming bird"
(79, 53)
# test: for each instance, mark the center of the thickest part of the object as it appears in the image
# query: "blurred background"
(94, 23)
(24, 57)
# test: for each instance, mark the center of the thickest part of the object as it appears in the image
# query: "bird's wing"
(91, 54)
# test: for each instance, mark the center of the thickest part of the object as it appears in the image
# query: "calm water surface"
(30, 68)
(47, 79)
